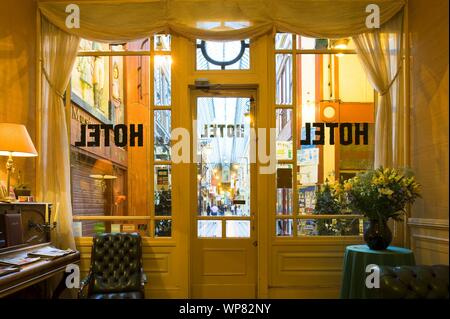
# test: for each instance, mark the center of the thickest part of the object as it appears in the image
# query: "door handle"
(255, 243)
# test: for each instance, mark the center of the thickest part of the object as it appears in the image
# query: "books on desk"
(49, 252)
(5, 270)
(18, 260)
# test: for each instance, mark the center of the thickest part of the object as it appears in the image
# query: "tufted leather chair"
(414, 282)
(116, 268)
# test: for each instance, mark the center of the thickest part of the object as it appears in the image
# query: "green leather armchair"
(414, 282)
(116, 268)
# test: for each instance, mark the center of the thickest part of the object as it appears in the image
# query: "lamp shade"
(15, 141)
(103, 169)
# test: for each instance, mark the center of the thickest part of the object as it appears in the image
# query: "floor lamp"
(14, 142)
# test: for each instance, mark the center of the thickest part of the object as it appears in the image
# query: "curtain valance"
(120, 20)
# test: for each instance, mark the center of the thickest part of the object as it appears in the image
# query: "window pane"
(306, 199)
(136, 45)
(209, 228)
(238, 228)
(308, 174)
(117, 90)
(283, 41)
(284, 134)
(162, 42)
(353, 83)
(330, 227)
(88, 46)
(223, 156)
(162, 80)
(162, 129)
(284, 227)
(306, 43)
(88, 228)
(354, 158)
(139, 45)
(163, 228)
(90, 86)
(284, 190)
(163, 190)
(223, 55)
(283, 64)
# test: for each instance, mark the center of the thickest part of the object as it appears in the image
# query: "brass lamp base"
(9, 168)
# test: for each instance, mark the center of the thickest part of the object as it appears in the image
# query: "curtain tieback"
(386, 90)
(57, 92)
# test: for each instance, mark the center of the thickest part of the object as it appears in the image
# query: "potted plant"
(381, 194)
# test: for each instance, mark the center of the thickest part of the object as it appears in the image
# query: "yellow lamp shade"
(15, 141)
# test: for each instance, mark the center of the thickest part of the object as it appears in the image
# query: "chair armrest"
(83, 284)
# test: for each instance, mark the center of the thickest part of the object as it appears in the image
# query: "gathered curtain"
(130, 20)
(381, 55)
(59, 50)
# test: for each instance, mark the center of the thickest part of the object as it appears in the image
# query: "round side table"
(358, 257)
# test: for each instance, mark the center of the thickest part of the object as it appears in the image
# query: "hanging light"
(340, 44)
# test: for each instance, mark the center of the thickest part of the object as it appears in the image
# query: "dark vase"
(378, 236)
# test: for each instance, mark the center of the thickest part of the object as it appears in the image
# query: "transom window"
(230, 55)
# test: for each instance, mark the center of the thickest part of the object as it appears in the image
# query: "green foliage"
(327, 201)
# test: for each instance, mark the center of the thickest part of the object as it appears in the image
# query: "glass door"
(223, 248)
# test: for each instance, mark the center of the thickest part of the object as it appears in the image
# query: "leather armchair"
(116, 268)
(414, 282)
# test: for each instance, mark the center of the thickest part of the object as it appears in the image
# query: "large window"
(112, 187)
(316, 81)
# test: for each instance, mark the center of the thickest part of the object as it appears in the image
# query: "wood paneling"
(428, 26)
(140, 176)
(159, 262)
(18, 78)
(429, 240)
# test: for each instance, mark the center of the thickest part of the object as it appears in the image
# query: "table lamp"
(103, 170)
(14, 142)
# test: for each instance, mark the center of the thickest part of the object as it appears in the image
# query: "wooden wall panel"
(18, 79)
(429, 240)
(310, 267)
(429, 69)
(160, 267)
(138, 112)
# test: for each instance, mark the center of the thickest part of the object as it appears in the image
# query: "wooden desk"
(35, 272)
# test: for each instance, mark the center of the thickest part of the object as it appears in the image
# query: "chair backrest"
(414, 282)
(116, 262)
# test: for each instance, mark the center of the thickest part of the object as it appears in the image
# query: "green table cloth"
(358, 257)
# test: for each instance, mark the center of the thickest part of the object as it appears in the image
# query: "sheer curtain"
(59, 51)
(381, 55)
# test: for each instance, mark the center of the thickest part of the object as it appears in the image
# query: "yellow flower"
(347, 186)
(386, 191)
